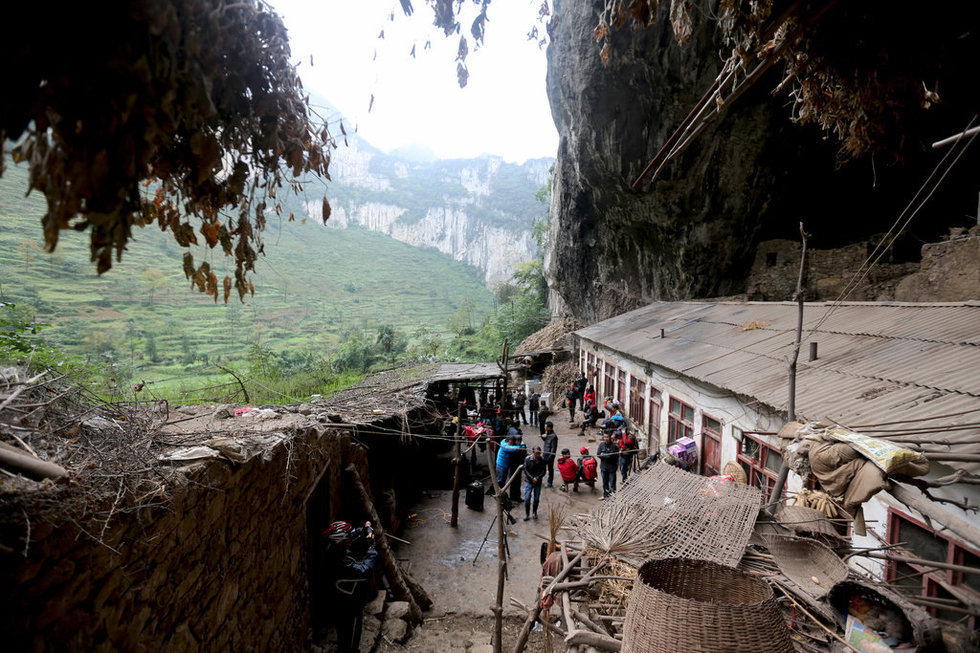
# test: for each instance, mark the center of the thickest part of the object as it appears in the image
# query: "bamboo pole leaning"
(405, 589)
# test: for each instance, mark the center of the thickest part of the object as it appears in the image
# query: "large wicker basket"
(808, 563)
(701, 607)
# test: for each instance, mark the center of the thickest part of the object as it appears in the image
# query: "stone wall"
(777, 265)
(949, 271)
(223, 566)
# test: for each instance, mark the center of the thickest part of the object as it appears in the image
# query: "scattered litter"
(189, 453)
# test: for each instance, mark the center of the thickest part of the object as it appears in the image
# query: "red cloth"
(568, 469)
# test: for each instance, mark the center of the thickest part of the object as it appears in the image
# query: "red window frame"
(710, 430)
(608, 381)
(679, 425)
(621, 387)
(934, 583)
(638, 391)
(656, 404)
(755, 460)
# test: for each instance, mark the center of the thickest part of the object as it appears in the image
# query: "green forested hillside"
(313, 287)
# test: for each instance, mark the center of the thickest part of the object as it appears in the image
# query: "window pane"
(906, 576)
(920, 542)
(711, 424)
(750, 448)
(936, 590)
(746, 468)
(967, 559)
(656, 395)
(688, 414)
(773, 459)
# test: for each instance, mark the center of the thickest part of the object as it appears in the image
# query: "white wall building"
(718, 372)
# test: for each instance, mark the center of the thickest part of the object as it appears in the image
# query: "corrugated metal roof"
(877, 361)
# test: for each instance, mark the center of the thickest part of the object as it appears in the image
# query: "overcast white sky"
(503, 110)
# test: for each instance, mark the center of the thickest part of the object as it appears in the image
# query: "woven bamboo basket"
(808, 563)
(698, 606)
(735, 470)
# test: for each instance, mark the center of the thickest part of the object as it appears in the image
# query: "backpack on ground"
(474, 496)
(589, 468)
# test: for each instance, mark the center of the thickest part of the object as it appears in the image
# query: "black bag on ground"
(474, 495)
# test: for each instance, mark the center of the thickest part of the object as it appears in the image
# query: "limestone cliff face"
(752, 175)
(478, 211)
(493, 249)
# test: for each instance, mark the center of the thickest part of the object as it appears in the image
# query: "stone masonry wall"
(222, 567)
(948, 272)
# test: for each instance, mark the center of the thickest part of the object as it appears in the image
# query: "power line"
(852, 284)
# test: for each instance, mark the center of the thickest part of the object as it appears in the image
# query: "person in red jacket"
(568, 469)
(588, 468)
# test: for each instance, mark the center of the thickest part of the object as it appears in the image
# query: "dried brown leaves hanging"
(195, 99)
(866, 72)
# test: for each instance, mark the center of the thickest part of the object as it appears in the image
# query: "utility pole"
(498, 607)
(777, 490)
(458, 479)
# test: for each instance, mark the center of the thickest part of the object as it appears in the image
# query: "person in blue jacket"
(512, 444)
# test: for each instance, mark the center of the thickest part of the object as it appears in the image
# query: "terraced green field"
(313, 284)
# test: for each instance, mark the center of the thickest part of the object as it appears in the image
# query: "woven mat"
(699, 518)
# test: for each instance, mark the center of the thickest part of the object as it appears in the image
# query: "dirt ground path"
(441, 558)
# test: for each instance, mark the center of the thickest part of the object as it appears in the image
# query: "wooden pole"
(458, 479)
(403, 591)
(33, 467)
(498, 607)
(922, 562)
(933, 513)
(533, 615)
(777, 490)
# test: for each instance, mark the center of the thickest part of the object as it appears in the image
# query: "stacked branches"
(194, 101)
(107, 452)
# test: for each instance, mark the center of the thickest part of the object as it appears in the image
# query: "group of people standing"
(538, 464)
(616, 453)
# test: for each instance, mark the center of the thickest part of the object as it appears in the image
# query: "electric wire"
(852, 284)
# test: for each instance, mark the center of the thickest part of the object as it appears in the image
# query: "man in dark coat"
(543, 415)
(534, 469)
(580, 384)
(608, 455)
(533, 404)
(550, 449)
(519, 402)
(354, 559)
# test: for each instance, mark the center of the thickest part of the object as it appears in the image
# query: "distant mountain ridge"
(478, 211)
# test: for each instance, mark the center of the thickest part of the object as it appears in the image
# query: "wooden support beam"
(404, 589)
(19, 461)
(458, 478)
(943, 520)
(589, 638)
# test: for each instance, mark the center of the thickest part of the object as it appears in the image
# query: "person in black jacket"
(353, 559)
(532, 406)
(571, 396)
(534, 469)
(579, 386)
(608, 455)
(550, 449)
(543, 415)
